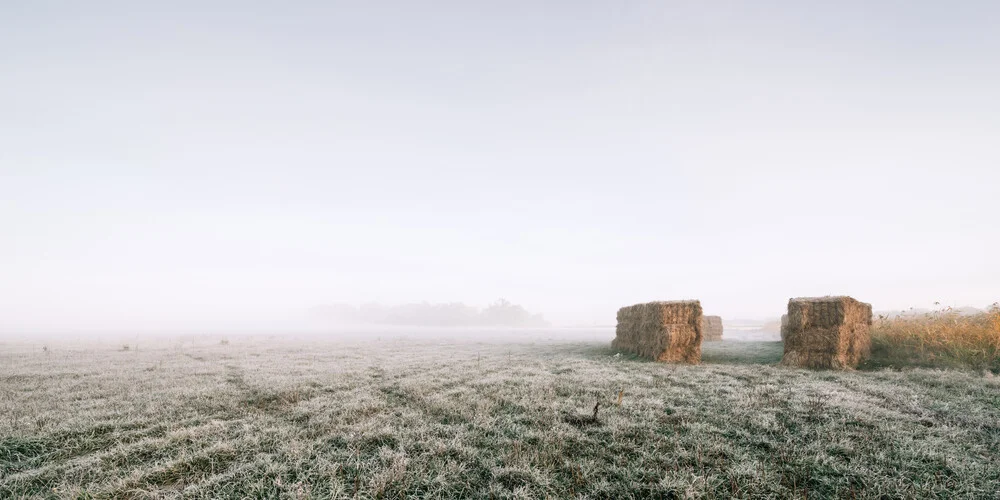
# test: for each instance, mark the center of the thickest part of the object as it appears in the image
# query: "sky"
(193, 164)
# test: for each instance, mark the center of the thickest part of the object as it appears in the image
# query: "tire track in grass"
(124, 456)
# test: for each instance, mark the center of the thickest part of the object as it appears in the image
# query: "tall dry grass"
(944, 338)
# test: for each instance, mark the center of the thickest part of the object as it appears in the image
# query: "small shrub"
(125, 347)
(943, 338)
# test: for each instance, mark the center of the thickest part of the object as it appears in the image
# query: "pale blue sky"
(198, 162)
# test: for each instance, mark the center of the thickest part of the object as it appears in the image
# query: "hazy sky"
(222, 162)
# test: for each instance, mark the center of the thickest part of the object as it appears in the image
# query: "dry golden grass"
(942, 338)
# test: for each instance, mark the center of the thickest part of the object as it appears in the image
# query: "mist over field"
(619, 249)
(193, 166)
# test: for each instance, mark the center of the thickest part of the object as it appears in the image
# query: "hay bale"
(827, 332)
(661, 331)
(784, 325)
(711, 328)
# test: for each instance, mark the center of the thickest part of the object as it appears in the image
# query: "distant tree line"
(499, 313)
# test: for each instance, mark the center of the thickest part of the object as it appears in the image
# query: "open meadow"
(387, 417)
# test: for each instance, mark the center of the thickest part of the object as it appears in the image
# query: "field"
(451, 418)
(938, 339)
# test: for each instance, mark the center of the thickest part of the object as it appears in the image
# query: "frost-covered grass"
(460, 419)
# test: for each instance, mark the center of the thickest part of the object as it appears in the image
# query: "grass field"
(395, 418)
(938, 339)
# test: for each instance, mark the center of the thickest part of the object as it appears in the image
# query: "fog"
(232, 166)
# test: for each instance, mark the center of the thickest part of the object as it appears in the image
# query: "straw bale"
(827, 332)
(711, 328)
(661, 331)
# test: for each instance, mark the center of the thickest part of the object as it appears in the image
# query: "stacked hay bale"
(711, 328)
(661, 331)
(827, 332)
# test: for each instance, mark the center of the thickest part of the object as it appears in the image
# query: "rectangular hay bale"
(661, 331)
(711, 328)
(826, 332)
